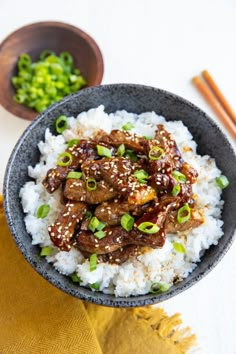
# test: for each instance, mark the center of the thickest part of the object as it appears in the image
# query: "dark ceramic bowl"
(33, 39)
(133, 98)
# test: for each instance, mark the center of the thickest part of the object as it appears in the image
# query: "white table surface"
(163, 44)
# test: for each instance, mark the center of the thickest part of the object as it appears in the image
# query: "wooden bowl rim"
(29, 114)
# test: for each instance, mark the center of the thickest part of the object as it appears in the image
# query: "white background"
(163, 44)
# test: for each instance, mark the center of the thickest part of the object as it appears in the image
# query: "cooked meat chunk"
(116, 237)
(165, 140)
(61, 232)
(91, 169)
(85, 150)
(121, 255)
(161, 181)
(190, 173)
(111, 212)
(158, 214)
(156, 240)
(147, 189)
(165, 151)
(118, 137)
(116, 171)
(139, 194)
(172, 226)
(75, 189)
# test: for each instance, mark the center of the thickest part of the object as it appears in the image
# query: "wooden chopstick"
(212, 100)
(211, 82)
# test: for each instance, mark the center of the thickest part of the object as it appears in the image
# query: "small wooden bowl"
(35, 38)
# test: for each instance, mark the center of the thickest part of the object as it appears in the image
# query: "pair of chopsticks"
(215, 98)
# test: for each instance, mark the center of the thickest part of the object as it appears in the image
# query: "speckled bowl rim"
(82, 292)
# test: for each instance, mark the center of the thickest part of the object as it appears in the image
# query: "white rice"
(135, 276)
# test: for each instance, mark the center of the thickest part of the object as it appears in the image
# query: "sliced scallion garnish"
(103, 151)
(222, 181)
(158, 288)
(148, 227)
(46, 251)
(75, 278)
(61, 124)
(88, 215)
(100, 234)
(43, 211)
(46, 53)
(131, 155)
(121, 150)
(66, 58)
(176, 189)
(72, 142)
(179, 247)
(95, 286)
(91, 184)
(38, 84)
(180, 177)
(101, 226)
(93, 262)
(64, 159)
(93, 224)
(141, 176)
(74, 175)
(156, 153)
(127, 222)
(127, 126)
(183, 214)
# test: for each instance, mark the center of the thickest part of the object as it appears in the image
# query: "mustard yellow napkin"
(37, 318)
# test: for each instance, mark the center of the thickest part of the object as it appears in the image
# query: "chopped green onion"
(24, 62)
(91, 184)
(121, 150)
(95, 286)
(67, 58)
(176, 189)
(88, 215)
(131, 155)
(180, 177)
(39, 84)
(158, 288)
(93, 224)
(222, 181)
(101, 226)
(42, 211)
(127, 222)
(103, 151)
(64, 159)
(46, 251)
(156, 153)
(148, 227)
(183, 214)
(179, 247)
(93, 262)
(46, 53)
(141, 176)
(74, 174)
(100, 234)
(74, 277)
(61, 124)
(25, 57)
(127, 126)
(73, 142)
(147, 137)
